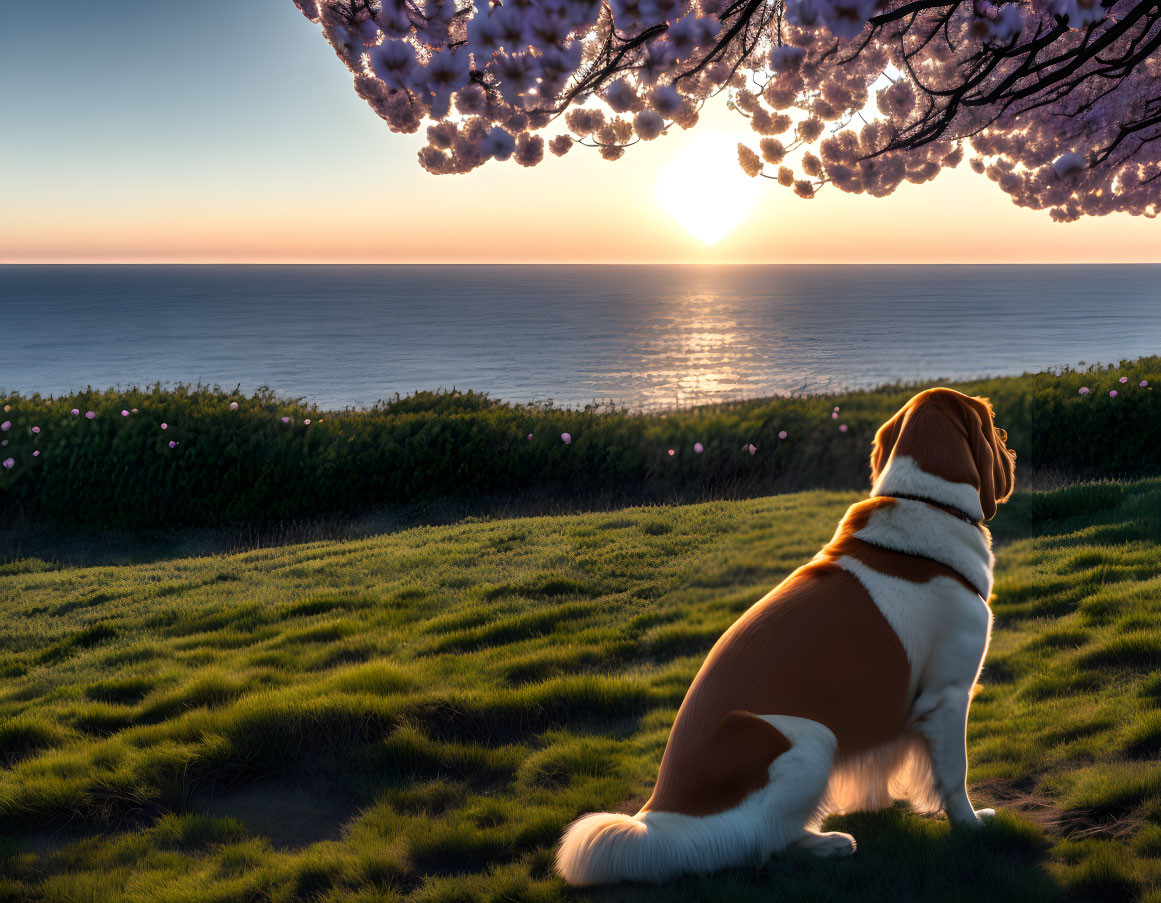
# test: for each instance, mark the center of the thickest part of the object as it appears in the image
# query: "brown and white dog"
(847, 685)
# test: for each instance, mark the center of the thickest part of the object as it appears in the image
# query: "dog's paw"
(832, 843)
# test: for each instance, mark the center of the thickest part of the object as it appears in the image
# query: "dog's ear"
(885, 439)
(994, 461)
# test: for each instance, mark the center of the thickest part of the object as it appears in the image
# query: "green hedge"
(246, 464)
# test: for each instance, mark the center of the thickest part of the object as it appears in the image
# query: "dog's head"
(940, 443)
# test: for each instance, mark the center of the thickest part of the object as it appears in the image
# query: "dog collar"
(950, 509)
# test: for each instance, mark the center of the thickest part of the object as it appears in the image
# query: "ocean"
(642, 337)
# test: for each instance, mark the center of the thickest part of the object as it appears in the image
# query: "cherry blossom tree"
(1057, 101)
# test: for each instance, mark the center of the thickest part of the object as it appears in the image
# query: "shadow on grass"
(902, 857)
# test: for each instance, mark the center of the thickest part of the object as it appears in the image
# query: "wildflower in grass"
(529, 437)
(782, 434)
(172, 444)
(1084, 390)
(307, 422)
(672, 453)
(698, 448)
(35, 430)
(566, 438)
(75, 411)
(165, 426)
(233, 405)
(36, 454)
(750, 447)
(1144, 383)
(1124, 379)
(89, 415)
(843, 427)
(9, 463)
(6, 425)
(836, 407)
(286, 420)
(124, 413)
(1113, 393)
(133, 410)
(834, 415)
(3, 441)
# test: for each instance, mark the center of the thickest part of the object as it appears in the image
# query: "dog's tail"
(606, 848)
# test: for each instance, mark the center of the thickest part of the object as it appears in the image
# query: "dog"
(847, 685)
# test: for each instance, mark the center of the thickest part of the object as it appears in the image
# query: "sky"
(227, 131)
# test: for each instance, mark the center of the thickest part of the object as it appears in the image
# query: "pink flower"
(165, 426)
(698, 448)
(566, 438)
(9, 463)
(89, 415)
(782, 434)
(36, 429)
(836, 407)
(1144, 383)
(529, 437)
(1113, 393)
(36, 454)
(75, 412)
(3, 441)
(233, 405)
(307, 422)
(1084, 390)
(172, 444)
(1124, 379)
(6, 425)
(124, 413)
(134, 411)
(843, 427)
(286, 420)
(750, 447)
(672, 453)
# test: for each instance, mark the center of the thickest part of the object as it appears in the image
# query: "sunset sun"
(705, 190)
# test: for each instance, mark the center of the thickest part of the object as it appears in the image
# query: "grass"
(416, 716)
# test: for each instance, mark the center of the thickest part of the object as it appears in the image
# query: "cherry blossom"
(1056, 101)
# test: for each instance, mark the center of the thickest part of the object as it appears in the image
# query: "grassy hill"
(417, 715)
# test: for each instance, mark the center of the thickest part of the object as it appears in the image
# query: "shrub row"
(225, 458)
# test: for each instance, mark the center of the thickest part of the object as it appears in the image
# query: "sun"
(704, 188)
